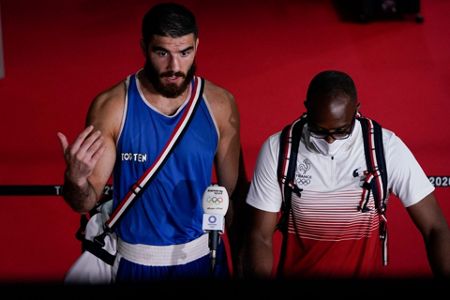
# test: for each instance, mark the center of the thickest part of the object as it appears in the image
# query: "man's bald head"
(331, 101)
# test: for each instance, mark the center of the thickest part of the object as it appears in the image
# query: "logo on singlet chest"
(136, 157)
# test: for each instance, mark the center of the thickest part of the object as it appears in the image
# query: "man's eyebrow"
(159, 48)
(187, 49)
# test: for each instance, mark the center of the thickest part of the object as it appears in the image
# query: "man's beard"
(170, 90)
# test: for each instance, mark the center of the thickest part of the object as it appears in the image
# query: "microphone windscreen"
(215, 200)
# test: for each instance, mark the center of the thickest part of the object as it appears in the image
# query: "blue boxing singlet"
(169, 211)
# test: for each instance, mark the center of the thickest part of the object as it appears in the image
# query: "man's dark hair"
(331, 83)
(168, 19)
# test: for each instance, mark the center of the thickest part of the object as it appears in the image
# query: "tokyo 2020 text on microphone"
(215, 205)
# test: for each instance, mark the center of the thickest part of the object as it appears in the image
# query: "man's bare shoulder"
(113, 96)
(107, 107)
(217, 95)
(223, 106)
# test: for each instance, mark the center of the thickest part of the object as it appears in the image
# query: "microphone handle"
(213, 243)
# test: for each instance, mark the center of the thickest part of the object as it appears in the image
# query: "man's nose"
(174, 64)
(329, 138)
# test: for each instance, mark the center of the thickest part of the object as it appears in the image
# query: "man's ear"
(306, 104)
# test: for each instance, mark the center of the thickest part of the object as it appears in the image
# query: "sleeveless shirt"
(169, 211)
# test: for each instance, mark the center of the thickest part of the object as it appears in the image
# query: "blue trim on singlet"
(169, 211)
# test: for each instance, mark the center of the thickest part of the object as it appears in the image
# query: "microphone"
(215, 203)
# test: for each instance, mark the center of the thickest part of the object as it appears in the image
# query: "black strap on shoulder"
(375, 160)
(283, 158)
(287, 163)
(376, 177)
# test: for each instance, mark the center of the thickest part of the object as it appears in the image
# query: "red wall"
(59, 54)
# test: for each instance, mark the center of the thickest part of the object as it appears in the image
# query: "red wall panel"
(59, 54)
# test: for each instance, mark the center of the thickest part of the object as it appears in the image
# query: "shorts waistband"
(164, 255)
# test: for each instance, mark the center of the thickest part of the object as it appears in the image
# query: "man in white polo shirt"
(328, 235)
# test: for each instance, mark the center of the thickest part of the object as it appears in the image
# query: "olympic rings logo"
(303, 181)
(214, 200)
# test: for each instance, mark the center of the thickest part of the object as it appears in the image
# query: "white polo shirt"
(327, 210)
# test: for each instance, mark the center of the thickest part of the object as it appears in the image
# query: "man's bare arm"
(90, 158)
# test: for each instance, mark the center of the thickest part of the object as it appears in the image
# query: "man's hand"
(82, 156)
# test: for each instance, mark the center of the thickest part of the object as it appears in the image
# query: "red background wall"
(59, 54)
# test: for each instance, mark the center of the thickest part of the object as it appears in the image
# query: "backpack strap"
(375, 180)
(287, 162)
(98, 252)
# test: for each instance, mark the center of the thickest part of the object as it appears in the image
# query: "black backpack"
(375, 180)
